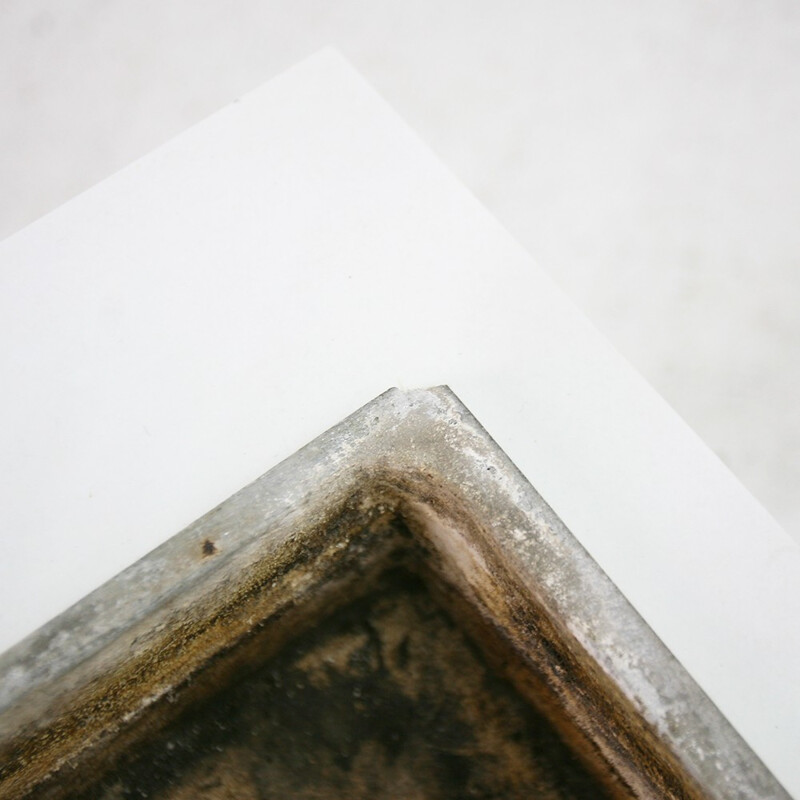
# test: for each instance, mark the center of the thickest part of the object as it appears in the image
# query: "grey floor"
(645, 152)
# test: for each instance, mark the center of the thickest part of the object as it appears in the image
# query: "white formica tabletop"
(180, 328)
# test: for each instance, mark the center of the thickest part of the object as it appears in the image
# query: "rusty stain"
(342, 660)
(386, 698)
(209, 548)
(259, 616)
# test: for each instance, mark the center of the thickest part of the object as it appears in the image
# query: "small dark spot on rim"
(209, 548)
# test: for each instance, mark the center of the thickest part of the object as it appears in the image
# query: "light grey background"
(645, 153)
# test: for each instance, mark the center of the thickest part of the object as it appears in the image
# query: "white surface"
(645, 152)
(184, 325)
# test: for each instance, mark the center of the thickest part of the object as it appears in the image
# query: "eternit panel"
(443, 633)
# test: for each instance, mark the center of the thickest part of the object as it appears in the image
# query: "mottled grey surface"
(428, 433)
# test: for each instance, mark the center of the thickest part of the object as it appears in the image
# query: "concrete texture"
(411, 474)
(644, 152)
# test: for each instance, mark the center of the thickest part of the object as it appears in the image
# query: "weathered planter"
(391, 612)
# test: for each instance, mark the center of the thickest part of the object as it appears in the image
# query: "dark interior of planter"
(384, 698)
